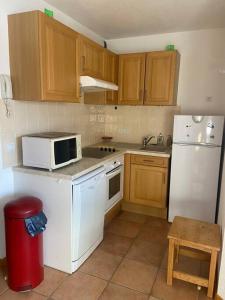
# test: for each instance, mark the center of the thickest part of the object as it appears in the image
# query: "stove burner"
(107, 149)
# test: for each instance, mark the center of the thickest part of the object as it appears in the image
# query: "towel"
(36, 224)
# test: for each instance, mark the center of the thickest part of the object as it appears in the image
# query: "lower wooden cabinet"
(146, 184)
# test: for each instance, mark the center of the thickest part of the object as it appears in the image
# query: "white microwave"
(51, 150)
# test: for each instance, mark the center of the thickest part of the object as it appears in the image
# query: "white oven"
(114, 180)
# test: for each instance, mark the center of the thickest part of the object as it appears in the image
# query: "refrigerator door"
(198, 129)
(194, 182)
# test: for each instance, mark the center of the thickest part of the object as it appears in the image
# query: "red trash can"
(24, 253)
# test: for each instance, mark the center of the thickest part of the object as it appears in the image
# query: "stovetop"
(98, 152)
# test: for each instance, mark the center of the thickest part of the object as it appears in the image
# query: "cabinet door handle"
(146, 160)
(164, 178)
(145, 94)
(83, 62)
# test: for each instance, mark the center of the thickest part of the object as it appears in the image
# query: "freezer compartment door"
(194, 182)
(198, 129)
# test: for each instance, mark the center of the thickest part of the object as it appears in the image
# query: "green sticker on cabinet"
(49, 12)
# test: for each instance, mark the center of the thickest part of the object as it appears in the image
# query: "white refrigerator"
(195, 166)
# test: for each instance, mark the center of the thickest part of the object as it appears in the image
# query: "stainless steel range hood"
(90, 84)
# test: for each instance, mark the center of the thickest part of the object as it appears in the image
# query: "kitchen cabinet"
(146, 184)
(111, 75)
(92, 58)
(131, 78)
(148, 78)
(161, 78)
(43, 58)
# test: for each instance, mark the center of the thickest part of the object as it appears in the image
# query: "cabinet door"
(161, 78)
(148, 185)
(111, 74)
(91, 58)
(131, 78)
(59, 61)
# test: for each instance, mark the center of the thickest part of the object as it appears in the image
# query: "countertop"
(86, 164)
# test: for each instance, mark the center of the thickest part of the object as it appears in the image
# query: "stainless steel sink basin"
(155, 148)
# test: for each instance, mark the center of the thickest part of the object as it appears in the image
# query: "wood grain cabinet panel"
(91, 58)
(111, 75)
(161, 78)
(131, 78)
(43, 58)
(148, 185)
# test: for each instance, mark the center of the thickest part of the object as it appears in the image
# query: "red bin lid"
(22, 208)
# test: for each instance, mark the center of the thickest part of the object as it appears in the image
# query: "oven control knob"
(110, 149)
(101, 149)
(106, 149)
(114, 162)
(114, 150)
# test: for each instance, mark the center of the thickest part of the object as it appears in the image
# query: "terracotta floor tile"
(116, 292)
(80, 286)
(185, 264)
(10, 295)
(179, 290)
(52, 279)
(101, 264)
(153, 234)
(202, 295)
(153, 298)
(115, 244)
(3, 284)
(147, 252)
(133, 217)
(154, 222)
(124, 228)
(135, 275)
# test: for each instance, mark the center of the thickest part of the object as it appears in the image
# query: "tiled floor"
(130, 264)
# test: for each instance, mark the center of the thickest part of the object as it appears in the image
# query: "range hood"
(91, 84)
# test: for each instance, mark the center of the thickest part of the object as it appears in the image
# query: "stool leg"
(170, 262)
(212, 271)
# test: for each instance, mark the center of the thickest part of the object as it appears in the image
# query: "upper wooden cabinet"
(131, 78)
(92, 58)
(43, 58)
(110, 74)
(148, 78)
(161, 78)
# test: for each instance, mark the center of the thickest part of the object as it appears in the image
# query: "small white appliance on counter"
(195, 168)
(51, 150)
(75, 210)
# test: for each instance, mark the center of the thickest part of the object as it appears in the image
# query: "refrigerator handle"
(198, 144)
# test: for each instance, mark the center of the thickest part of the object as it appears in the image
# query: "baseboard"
(217, 297)
(145, 210)
(112, 213)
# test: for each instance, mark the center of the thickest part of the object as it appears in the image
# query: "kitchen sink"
(155, 148)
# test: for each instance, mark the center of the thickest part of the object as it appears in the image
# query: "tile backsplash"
(30, 117)
(125, 124)
(132, 123)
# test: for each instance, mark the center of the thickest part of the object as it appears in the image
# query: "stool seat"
(198, 235)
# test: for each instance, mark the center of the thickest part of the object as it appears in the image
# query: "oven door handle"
(115, 171)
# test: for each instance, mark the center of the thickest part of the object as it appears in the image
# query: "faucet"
(147, 140)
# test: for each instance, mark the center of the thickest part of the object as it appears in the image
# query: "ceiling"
(125, 18)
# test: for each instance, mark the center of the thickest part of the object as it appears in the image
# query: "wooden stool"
(196, 235)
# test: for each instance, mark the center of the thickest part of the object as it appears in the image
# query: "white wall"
(202, 58)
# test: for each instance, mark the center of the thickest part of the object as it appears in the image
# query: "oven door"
(114, 186)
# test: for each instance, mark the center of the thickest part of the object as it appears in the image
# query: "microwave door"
(64, 150)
